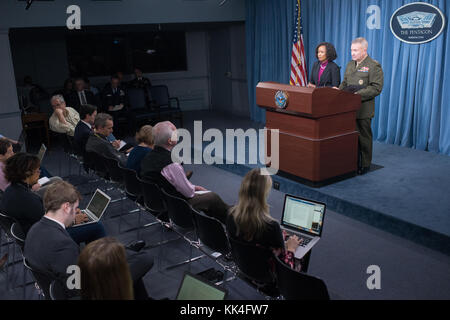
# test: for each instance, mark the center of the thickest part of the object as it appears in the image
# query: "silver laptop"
(41, 152)
(96, 207)
(303, 218)
(193, 287)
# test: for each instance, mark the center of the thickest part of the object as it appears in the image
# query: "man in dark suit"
(84, 127)
(139, 81)
(81, 95)
(113, 95)
(99, 143)
(60, 251)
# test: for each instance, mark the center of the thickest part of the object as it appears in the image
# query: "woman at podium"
(324, 72)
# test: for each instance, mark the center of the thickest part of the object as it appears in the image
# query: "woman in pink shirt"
(324, 72)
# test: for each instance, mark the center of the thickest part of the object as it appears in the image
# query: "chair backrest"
(114, 171)
(211, 232)
(153, 198)
(6, 223)
(57, 291)
(294, 285)
(95, 162)
(252, 260)
(132, 185)
(42, 279)
(136, 99)
(160, 95)
(179, 211)
(18, 234)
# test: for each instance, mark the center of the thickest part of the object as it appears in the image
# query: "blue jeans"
(87, 233)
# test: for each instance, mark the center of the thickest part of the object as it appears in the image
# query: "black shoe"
(363, 170)
(136, 245)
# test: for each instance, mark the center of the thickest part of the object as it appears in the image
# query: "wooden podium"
(318, 137)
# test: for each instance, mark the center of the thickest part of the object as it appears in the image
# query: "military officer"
(366, 75)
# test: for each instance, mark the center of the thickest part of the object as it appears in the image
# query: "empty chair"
(139, 111)
(294, 285)
(163, 102)
(211, 232)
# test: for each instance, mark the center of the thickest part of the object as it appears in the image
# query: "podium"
(318, 141)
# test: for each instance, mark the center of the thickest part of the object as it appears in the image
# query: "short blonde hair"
(362, 41)
(145, 135)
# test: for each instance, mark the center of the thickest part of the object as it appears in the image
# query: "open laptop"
(194, 287)
(41, 152)
(303, 218)
(96, 207)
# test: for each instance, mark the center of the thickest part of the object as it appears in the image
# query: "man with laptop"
(60, 250)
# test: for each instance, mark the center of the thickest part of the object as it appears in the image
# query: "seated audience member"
(81, 96)
(105, 274)
(157, 167)
(139, 81)
(113, 95)
(35, 92)
(84, 127)
(17, 146)
(99, 143)
(90, 87)
(24, 205)
(60, 251)
(64, 119)
(250, 220)
(122, 82)
(145, 139)
(7, 152)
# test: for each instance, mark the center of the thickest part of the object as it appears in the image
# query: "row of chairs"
(202, 232)
(210, 236)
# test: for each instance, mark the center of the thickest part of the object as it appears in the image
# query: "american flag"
(298, 66)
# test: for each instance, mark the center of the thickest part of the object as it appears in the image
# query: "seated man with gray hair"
(64, 119)
(98, 141)
(158, 167)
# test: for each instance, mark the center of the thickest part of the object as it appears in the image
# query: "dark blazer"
(331, 76)
(99, 144)
(59, 251)
(140, 83)
(109, 98)
(74, 99)
(81, 136)
(22, 204)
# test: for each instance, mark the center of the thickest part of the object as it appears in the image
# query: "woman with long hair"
(250, 219)
(105, 274)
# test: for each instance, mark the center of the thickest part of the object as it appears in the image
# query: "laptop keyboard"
(305, 241)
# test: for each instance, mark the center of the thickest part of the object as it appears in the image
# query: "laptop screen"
(303, 214)
(98, 203)
(194, 288)
(41, 152)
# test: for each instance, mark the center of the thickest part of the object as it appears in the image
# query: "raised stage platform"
(406, 193)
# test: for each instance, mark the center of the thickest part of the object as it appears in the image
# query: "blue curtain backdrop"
(414, 107)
